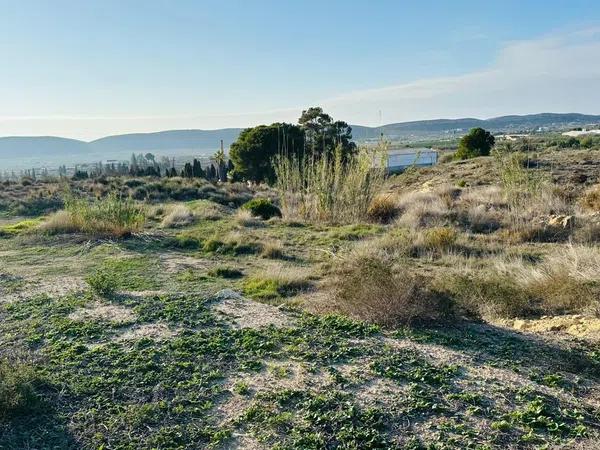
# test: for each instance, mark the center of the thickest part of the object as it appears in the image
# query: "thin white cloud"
(557, 73)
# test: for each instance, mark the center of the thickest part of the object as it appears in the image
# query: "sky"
(87, 69)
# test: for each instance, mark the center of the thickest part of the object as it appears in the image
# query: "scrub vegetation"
(454, 306)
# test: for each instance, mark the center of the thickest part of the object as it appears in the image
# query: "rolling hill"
(204, 141)
(514, 123)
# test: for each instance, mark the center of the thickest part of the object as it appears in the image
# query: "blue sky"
(90, 68)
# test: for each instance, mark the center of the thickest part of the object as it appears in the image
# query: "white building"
(580, 133)
(402, 158)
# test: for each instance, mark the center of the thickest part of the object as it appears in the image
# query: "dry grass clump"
(60, 222)
(428, 243)
(565, 281)
(272, 250)
(178, 216)
(244, 218)
(438, 239)
(481, 219)
(329, 188)
(368, 288)
(489, 196)
(111, 216)
(278, 282)
(590, 200)
(383, 209)
(207, 210)
(422, 209)
(587, 232)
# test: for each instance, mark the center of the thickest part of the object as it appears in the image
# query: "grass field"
(463, 312)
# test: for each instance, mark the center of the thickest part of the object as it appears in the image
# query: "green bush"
(102, 282)
(226, 272)
(18, 386)
(263, 208)
(478, 142)
(275, 286)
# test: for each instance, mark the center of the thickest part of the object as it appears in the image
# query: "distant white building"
(511, 137)
(402, 158)
(580, 133)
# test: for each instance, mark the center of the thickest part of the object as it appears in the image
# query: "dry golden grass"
(590, 200)
(178, 216)
(422, 209)
(500, 286)
(369, 289)
(438, 239)
(383, 208)
(489, 196)
(272, 250)
(60, 222)
(244, 218)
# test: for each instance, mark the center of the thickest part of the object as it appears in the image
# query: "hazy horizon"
(156, 131)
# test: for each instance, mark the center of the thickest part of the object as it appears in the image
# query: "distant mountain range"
(440, 127)
(204, 141)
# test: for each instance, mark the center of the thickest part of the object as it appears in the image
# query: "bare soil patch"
(247, 313)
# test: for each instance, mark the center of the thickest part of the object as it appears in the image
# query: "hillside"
(26, 146)
(167, 140)
(209, 140)
(514, 123)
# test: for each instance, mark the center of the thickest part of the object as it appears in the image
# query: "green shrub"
(102, 282)
(478, 142)
(18, 389)
(262, 207)
(276, 285)
(226, 272)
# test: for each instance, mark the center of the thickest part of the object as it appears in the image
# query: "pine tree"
(212, 173)
(197, 169)
(188, 171)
